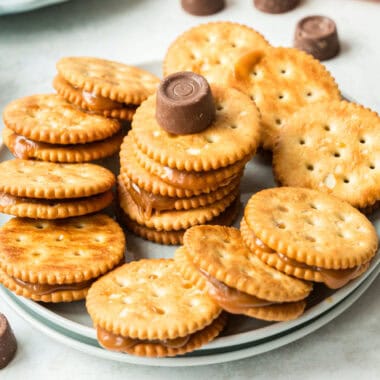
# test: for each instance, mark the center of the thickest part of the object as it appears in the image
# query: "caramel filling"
(94, 102)
(147, 202)
(43, 289)
(333, 278)
(232, 300)
(116, 342)
(23, 148)
(189, 180)
(11, 200)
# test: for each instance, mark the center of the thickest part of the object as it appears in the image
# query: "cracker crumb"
(330, 181)
(193, 151)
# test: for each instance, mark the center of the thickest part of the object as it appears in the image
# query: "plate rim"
(235, 339)
(203, 359)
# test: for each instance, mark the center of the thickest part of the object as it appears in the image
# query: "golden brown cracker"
(48, 180)
(233, 135)
(60, 251)
(272, 312)
(150, 203)
(149, 299)
(227, 217)
(333, 278)
(196, 340)
(113, 80)
(311, 227)
(191, 179)
(75, 96)
(222, 254)
(56, 296)
(23, 148)
(56, 209)
(280, 81)
(173, 219)
(212, 49)
(333, 148)
(130, 168)
(49, 118)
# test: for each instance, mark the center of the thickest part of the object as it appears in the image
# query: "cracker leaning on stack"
(212, 49)
(103, 87)
(333, 148)
(182, 161)
(278, 80)
(217, 258)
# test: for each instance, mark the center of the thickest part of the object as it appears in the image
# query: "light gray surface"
(137, 31)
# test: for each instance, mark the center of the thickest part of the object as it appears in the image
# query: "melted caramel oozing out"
(121, 343)
(229, 299)
(333, 278)
(23, 148)
(98, 103)
(93, 102)
(43, 289)
(148, 202)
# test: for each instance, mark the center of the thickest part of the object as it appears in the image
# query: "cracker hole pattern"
(337, 154)
(310, 167)
(327, 128)
(362, 141)
(302, 142)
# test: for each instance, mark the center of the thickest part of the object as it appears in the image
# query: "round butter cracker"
(332, 147)
(49, 118)
(221, 252)
(212, 49)
(61, 251)
(24, 148)
(149, 299)
(280, 81)
(233, 135)
(48, 180)
(116, 81)
(174, 219)
(311, 227)
(53, 209)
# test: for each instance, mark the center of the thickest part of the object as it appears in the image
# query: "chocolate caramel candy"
(184, 103)
(318, 36)
(275, 6)
(202, 7)
(8, 344)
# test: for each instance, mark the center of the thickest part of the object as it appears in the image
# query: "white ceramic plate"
(240, 330)
(91, 347)
(17, 6)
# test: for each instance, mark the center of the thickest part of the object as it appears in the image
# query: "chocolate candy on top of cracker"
(184, 103)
